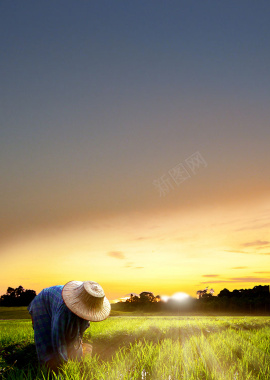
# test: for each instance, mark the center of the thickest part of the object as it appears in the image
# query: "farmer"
(60, 315)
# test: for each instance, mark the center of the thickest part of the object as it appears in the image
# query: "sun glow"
(180, 296)
(164, 298)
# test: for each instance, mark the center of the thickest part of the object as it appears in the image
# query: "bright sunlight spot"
(180, 296)
(164, 298)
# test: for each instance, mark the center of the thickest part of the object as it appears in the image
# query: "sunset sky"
(135, 144)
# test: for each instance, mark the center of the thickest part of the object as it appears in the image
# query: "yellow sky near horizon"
(165, 253)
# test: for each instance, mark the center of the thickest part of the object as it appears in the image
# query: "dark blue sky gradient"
(100, 98)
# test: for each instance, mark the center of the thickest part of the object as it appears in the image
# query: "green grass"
(14, 313)
(156, 348)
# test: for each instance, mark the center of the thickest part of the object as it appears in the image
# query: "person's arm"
(86, 347)
(67, 331)
(60, 322)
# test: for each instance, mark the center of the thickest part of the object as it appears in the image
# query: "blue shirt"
(57, 330)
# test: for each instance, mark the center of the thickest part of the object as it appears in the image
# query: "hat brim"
(72, 301)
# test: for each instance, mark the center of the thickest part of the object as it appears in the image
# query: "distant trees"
(250, 301)
(145, 301)
(133, 299)
(224, 293)
(257, 291)
(147, 297)
(143, 298)
(204, 293)
(17, 297)
(247, 301)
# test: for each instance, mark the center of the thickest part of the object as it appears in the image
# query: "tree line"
(248, 301)
(252, 301)
(17, 297)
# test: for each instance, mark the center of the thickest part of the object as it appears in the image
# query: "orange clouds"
(117, 255)
(242, 280)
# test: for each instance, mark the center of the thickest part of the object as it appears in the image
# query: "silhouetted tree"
(200, 293)
(248, 301)
(133, 299)
(17, 297)
(203, 293)
(224, 293)
(10, 290)
(147, 297)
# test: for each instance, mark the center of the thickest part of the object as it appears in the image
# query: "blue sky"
(99, 99)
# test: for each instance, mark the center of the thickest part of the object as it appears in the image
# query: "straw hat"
(87, 300)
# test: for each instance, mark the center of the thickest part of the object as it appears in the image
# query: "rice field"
(156, 348)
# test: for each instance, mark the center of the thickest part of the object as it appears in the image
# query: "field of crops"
(157, 348)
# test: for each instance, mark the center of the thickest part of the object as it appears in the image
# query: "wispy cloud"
(116, 254)
(257, 227)
(240, 279)
(210, 275)
(251, 279)
(128, 265)
(261, 221)
(258, 253)
(246, 252)
(131, 265)
(234, 251)
(263, 272)
(256, 243)
(239, 267)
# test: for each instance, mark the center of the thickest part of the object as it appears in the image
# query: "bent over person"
(60, 315)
